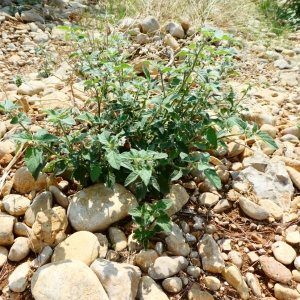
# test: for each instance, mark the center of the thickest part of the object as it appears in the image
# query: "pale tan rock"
(145, 258)
(179, 196)
(31, 88)
(172, 284)
(235, 148)
(283, 292)
(70, 278)
(3, 256)
(196, 292)
(254, 284)
(275, 211)
(212, 283)
(296, 275)
(293, 163)
(233, 276)
(117, 238)
(49, 228)
(171, 41)
(209, 252)
(294, 175)
(120, 280)
(18, 279)
(283, 252)
(16, 205)
(19, 250)
(149, 290)
(95, 208)
(6, 229)
(25, 183)
(55, 100)
(293, 238)
(208, 199)
(81, 245)
(271, 130)
(21, 229)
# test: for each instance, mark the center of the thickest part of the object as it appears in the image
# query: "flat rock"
(81, 245)
(149, 290)
(209, 252)
(274, 210)
(43, 257)
(270, 95)
(273, 184)
(275, 270)
(31, 88)
(165, 266)
(284, 252)
(70, 278)
(120, 280)
(212, 283)
(254, 284)
(95, 208)
(208, 199)
(15, 205)
(253, 210)
(6, 229)
(176, 242)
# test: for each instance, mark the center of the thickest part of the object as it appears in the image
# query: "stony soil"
(240, 242)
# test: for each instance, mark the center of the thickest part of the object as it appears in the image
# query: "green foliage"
(144, 130)
(282, 16)
(46, 68)
(151, 219)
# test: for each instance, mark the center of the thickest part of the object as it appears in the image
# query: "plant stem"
(66, 136)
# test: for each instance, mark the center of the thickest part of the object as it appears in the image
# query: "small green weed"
(151, 219)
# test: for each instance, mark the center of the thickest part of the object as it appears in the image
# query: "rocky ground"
(59, 241)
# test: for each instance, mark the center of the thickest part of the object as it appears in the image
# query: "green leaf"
(145, 174)
(164, 222)
(59, 167)
(110, 179)
(264, 136)
(210, 135)
(232, 121)
(104, 138)
(141, 190)
(80, 175)
(213, 177)
(68, 121)
(164, 204)
(114, 159)
(135, 212)
(22, 137)
(34, 159)
(8, 106)
(95, 172)
(44, 136)
(131, 178)
(147, 73)
(176, 175)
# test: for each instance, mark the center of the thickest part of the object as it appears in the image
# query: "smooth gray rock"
(6, 229)
(165, 266)
(150, 290)
(150, 24)
(19, 250)
(17, 281)
(253, 210)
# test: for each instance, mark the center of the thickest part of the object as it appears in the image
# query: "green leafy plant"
(140, 129)
(151, 219)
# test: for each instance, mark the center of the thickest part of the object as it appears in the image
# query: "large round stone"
(97, 207)
(70, 279)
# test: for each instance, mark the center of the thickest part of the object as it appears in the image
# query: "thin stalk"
(65, 134)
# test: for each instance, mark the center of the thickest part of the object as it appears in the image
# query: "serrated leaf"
(145, 174)
(235, 121)
(135, 212)
(164, 222)
(213, 177)
(131, 178)
(104, 138)
(110, 179)
(68, 121)
(177, 174)
(114, 159)
(264, 136)
(164, 204)
(34, 159)
(22, 137)
(141, 190)
(43, 136)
